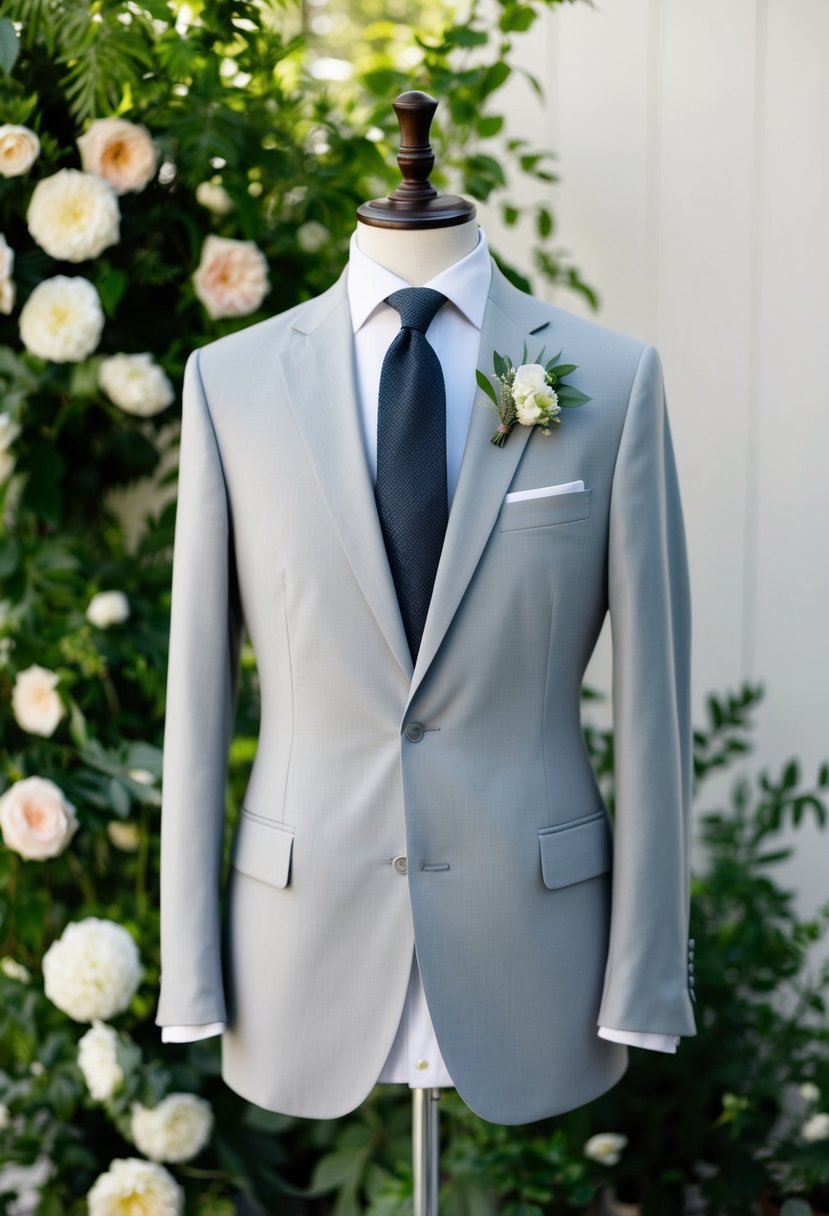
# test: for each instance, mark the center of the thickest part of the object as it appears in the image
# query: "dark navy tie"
(410, 488)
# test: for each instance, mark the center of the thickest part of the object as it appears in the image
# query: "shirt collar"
(466, 283)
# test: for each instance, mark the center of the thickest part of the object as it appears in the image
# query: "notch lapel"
(511, 318)
(318, 360)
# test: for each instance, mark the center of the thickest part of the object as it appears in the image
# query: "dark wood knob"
(415, 203)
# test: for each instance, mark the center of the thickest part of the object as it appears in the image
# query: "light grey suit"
(535, 920)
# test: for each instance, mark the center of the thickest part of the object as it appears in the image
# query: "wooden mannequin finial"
(415, 203)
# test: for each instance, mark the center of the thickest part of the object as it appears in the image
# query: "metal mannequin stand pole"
(425, 1150)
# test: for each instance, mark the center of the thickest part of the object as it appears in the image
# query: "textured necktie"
(410, 488)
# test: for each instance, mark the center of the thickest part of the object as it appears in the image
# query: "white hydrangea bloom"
(92, 970)
(132, 1187)
(136, 384)
(175, 1130)
(62, 319)
(98, 1061)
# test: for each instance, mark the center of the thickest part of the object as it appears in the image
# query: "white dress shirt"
(455, 335)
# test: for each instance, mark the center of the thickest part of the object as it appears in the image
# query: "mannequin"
(413, 236)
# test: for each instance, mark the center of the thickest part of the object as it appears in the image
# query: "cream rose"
(121, 152)
(98, 1060)
(74, 215)
(36, 706)
(175, 1130)
(214, 197)
(534, 398)
(92, 970)
(136, 384)
(7, 287)
(312, 236)
(62, 319)
(125, 836)
(132, 1187)
(816, 1128)
(36, 818)
(605, 1147)
(19, 149)
(107, 608)
(231, 279)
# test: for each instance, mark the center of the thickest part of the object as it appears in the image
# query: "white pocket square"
(566, 487)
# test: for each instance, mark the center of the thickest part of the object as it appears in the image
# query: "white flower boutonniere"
(532, 394)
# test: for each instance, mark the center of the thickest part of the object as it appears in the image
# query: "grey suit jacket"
(535, 918)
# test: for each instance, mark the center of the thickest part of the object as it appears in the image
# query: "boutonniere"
(532, 394)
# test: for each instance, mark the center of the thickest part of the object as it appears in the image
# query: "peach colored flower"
(37, 819)
(121, 152)
(232, 277)
(19, 149)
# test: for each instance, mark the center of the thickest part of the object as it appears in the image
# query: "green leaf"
(569, 397)
(486, 385)
(9, 555)
(9, 45)
(563, 369)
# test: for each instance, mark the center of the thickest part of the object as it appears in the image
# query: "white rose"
(532, 395)
(36, 706)
(6, 258)
(62, 319)
(136, 384)
(137, 1187)
(121, 152)
(231, 279)
(37, 819)
(14, 970)
(175, 1130)
(7, 295)
(98, 1061)
(816, 1128)
(125, 836)
(312, 236)
(19, 149)
(74, 215)
(92, 970)
(214, 197)
(107, 608)
(605, 1147)
(809, 1092)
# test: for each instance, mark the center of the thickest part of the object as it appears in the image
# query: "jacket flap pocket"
(542, 512)
(262, 848)
(578, 849)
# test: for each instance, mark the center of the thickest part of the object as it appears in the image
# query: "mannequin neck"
(417, 255)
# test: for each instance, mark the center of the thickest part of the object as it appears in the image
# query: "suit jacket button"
(400, 864)
(414, 732)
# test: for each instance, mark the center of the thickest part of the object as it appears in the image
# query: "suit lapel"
(511, 318)
(334, 440)
(328, 416)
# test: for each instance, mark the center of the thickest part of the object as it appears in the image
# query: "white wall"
(693, 147)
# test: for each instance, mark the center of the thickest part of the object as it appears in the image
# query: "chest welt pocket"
(575, 850)
(544, 512)
(262, 848)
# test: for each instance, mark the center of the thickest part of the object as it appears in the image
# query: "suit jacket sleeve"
(202, 680)
(646, 985)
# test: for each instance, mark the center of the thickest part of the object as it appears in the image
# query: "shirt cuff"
(189, 1034)
(642, 1038)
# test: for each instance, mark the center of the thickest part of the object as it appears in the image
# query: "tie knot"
(417, 306)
